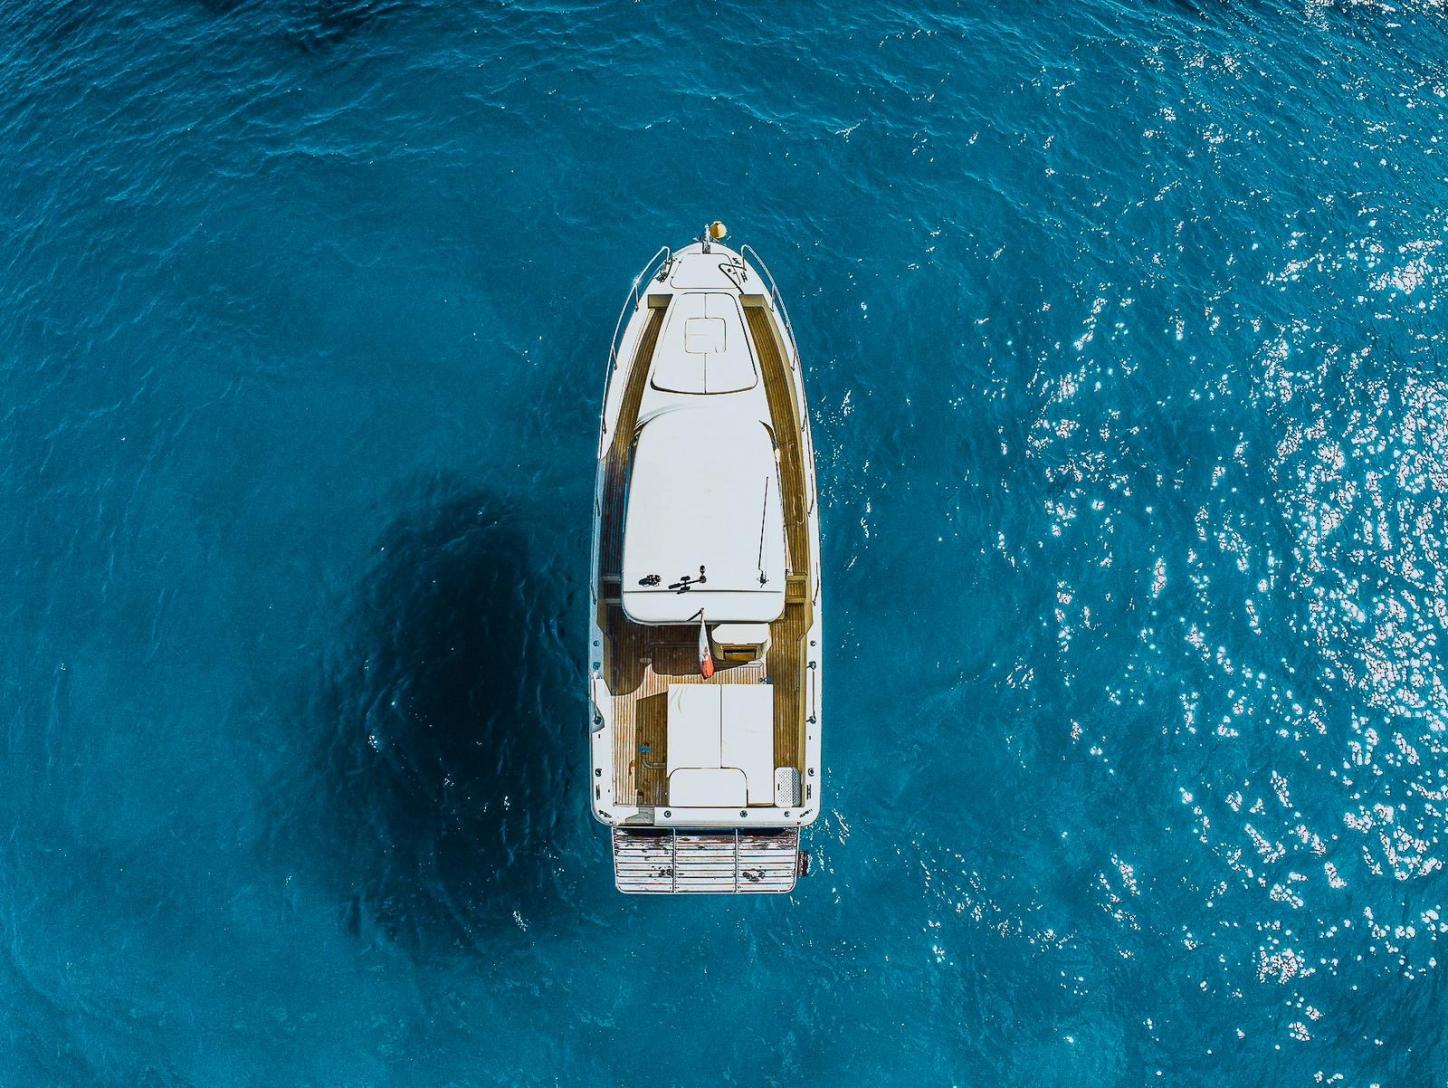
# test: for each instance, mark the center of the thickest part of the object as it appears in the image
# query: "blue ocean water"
(1125, 343)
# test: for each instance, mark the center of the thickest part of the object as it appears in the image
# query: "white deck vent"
(786, 787)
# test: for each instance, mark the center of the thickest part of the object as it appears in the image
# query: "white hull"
(705, 463)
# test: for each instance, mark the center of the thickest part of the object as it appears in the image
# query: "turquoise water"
(1125, 342)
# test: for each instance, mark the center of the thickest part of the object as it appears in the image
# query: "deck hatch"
(704, 347)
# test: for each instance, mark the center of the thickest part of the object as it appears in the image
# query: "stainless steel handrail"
(633, 300)
(746, 251)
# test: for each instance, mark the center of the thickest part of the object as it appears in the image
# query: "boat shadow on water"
(449, 731)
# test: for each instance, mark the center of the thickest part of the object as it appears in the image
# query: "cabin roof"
(703, 492)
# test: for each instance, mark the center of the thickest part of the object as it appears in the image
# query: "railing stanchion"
(774, 295)
(645, 273)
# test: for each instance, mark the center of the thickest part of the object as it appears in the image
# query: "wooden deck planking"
(611, 517)
(779, 387)
(640, 661)
(786, 660)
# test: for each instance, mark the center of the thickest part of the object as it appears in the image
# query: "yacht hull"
(719, 811)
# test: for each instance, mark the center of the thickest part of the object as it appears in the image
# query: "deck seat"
(693, 726)
(717, 728)
(737, 642)
(707, 787)
(746, 736)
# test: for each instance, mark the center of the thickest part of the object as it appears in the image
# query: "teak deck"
(641, 661)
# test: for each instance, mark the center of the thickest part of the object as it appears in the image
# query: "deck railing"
(644, 275)
(748, 252)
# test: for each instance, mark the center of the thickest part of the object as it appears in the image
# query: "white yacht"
(706, 639)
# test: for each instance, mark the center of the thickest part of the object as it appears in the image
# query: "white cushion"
(746, 738)
(705, 787)
(739, 634)
(726, 730)
(693, 726)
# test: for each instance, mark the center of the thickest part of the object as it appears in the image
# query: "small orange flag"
(706, 656)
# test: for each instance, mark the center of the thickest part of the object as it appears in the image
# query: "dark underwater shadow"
(317, 26)
(451, 734)
(312, 26)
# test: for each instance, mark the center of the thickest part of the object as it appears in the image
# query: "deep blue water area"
(1126, 338)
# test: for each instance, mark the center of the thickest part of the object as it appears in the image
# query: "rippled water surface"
(1127, 350)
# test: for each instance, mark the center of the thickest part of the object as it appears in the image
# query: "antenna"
(763, 517)
(715, 231)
